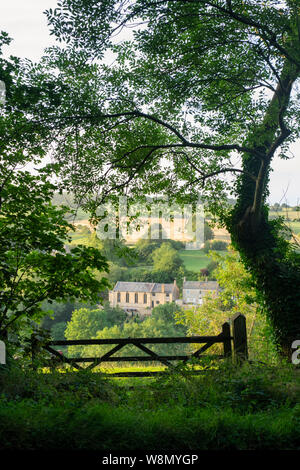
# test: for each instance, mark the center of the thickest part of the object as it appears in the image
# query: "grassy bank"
(103, 427)
(254, 407)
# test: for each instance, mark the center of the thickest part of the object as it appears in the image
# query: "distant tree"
(58, 331)
(57, 313)
(118, 273)
(113, 250)
(116, 251)
(166, 258)
(166, 313)
(162, 322)
(176, 244)
(207, 246)
(62, 312)
(146, 246)
(85, 323)
(208, 232)
(158, 276)
(217, 245)
(130, 329)
(212, 265)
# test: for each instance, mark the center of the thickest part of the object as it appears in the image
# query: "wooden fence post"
(239, 337)
(227, 341)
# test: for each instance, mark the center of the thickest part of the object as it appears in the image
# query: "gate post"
(227, 339)
(239, 337)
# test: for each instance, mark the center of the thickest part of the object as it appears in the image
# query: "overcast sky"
(24, 21)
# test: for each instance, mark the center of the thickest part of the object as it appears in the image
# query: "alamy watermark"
(295, 358)
(2, 92)
(155, 220)
(2, 353)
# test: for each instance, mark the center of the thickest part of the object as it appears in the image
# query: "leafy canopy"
(34, 262)
(198, 91)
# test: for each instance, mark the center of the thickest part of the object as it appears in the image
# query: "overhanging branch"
(185, 143)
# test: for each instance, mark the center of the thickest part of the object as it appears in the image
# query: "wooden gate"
(238, 336)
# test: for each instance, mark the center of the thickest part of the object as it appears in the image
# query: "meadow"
(194, 260)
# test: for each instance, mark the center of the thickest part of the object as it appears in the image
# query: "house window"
(127, 297)
(167, 295)
(118, 297)
(145, 298)
(136, 300)
(157, 301)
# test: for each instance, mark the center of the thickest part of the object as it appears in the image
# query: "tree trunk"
(277, 278)
(268, 256)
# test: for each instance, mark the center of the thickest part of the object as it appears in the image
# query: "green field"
(194, 260)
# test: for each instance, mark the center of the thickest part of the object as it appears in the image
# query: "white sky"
(24, 21)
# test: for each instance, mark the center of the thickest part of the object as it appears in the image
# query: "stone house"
(193, 292)
(139, 298)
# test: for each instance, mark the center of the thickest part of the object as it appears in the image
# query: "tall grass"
(249, 407)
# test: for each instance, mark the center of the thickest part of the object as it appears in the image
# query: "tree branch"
(266, 33)
(185, 142)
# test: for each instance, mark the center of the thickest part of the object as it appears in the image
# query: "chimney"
(184, 279)
(175, 283)
(163, 288)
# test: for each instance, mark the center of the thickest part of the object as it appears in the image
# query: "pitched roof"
(168, 288)
(122, 286)
(203, 285)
